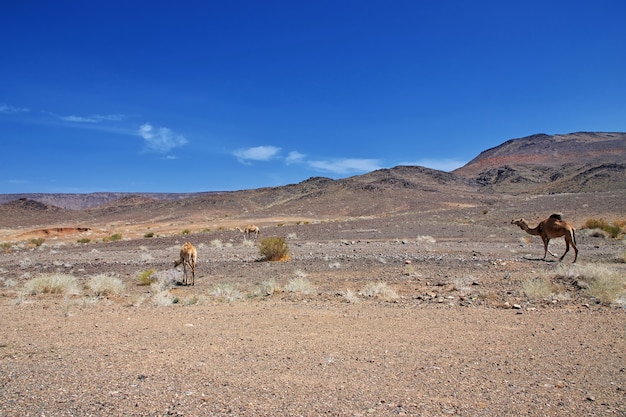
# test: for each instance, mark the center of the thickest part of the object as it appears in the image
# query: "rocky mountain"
(576, 162)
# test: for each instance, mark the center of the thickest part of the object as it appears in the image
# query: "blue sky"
(192, 96)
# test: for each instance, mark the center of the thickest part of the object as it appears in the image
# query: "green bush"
(113, 238)
(274, 249)
(614, 230)
(146, 277)
(83, 240)
(149, 234)
(186, 231)
(37, 241)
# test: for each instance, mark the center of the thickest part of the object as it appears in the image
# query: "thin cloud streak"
(346, 165)
(7, 109)
(94, 118)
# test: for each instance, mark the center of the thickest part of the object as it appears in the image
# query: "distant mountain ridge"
(77, 201)
(576, 162)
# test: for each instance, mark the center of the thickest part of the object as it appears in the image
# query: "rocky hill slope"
(576, 162)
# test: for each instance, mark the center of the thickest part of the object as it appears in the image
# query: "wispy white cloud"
(346, 165)
(6, 109)
(160, 139)
(257, 153)
(294, 157)
(443, 164)
(94, 118)
(340, 166)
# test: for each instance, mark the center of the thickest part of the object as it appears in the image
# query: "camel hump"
(558, 216)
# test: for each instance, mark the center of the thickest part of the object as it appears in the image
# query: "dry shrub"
(300, 284)
(269, 287)
(614, 230)
(52, 284)
(226, 292)
(274, 249)
(541, 288)
(105, 285)
(607, 284)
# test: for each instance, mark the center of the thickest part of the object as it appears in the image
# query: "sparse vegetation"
(274, 249)
(186, 232)
(614, 230)
(83, 240)
(605, 284)
(425, 239)
(350, 296)
(105, 285)
(227, 293)
(147, 277)
(149, 235)
(300, 285)
(380, 290)
(541, 288)
(6, 246)
(38, 241)
(114, 237)
(52, 284)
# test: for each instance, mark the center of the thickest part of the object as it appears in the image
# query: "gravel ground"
(451, 330)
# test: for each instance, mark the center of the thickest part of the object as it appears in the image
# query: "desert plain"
(426, 311)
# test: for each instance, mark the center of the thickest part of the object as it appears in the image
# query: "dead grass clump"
(425, 239)
(380, 290)
(541, 288)
(350, 296)
(226, 292)
(163, 298)
(248, 243)
(274, 249)
(52, 284)
(216, 243)
(105, 285)
(602, 282)
(300, 284)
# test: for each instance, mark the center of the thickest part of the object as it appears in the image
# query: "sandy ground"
(456, 335)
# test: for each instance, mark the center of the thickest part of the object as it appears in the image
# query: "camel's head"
(519, 222)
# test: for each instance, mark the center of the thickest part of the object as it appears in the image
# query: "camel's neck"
(534, 231)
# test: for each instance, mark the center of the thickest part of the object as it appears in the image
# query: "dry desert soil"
(421, 313)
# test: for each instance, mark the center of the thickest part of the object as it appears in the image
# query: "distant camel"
(550, 228)
(249, 229)
(188, 257)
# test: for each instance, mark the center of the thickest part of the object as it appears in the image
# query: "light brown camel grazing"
(553, 226)
(188, 257)
(249, 229)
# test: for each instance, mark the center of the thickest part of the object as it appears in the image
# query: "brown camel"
(550, 228)
(249, 229)
(188, 257)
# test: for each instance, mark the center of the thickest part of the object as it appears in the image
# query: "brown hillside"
(576, 162)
